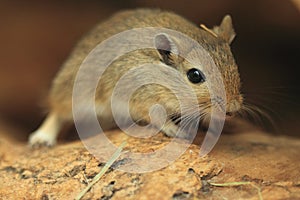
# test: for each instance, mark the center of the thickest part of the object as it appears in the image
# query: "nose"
(233, 106)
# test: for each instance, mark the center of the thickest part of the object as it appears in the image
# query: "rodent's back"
(61, 91)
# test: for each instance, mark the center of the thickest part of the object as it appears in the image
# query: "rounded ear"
(166, 47)
(225, 30)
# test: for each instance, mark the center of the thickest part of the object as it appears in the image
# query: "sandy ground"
(270, 163)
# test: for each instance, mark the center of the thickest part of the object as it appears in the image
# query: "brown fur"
(60, 96)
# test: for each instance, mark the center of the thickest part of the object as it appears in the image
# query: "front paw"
(173, 130)
(40, 138)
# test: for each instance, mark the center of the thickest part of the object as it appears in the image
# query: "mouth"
(230, 115)
(204, 121)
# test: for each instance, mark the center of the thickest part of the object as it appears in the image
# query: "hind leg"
(47, 132)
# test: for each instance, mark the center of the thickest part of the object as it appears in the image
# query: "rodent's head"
(216, 42)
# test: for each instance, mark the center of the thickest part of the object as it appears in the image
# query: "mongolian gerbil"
(216, 41)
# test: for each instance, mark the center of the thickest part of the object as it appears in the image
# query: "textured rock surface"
(269, 162)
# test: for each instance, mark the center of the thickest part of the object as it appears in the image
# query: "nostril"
(229, 114)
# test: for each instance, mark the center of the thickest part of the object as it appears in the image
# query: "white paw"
(170, 129)
(41, 138)
(173, 130)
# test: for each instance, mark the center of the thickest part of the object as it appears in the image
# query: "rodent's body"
(60, 96)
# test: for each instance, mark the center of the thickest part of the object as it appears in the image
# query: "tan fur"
(60, 96)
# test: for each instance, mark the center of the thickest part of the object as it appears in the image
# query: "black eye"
(195, 76)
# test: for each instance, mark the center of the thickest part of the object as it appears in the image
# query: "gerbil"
(216, 41)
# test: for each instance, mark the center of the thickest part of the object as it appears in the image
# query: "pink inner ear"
(162, 42)
(166, 48)
(165, 43)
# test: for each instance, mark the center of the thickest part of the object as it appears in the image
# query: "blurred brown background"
(37, 36)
